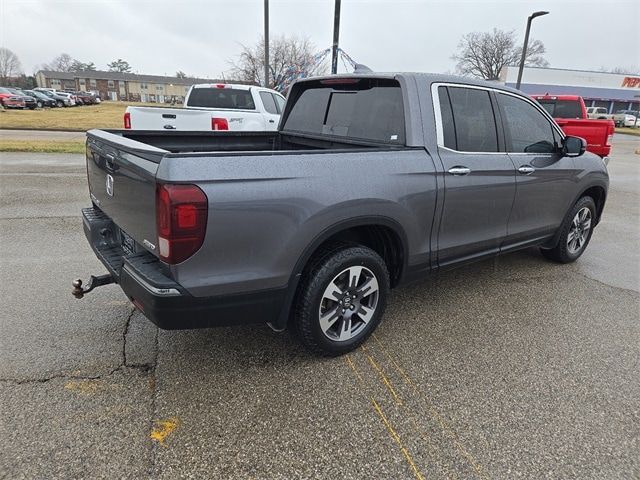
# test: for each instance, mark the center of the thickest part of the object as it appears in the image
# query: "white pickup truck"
(216, 106)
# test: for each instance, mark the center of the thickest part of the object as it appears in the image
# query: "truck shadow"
(454, 293)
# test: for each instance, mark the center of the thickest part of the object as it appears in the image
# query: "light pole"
(526, 42)
(266, 43)
(336, 36)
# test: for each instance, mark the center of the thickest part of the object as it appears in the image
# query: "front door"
(544, 178)
(479, 180)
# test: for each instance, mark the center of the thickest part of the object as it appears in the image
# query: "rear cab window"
(214, 97)
(369, 109)
(562, 108)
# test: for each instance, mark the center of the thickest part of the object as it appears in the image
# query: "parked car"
(570, 113)
(9, 99)
(627, 118)
(372, 180)
(42, 100)
(599, 113)
(85, 98)
(219, 106)
(60, 99)
(29, 101)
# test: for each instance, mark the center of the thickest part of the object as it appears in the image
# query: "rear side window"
(221, 98)
(268, 102)
(468, 121)
(367, 109)
(563, 108)
(279, 102)
(527, 130)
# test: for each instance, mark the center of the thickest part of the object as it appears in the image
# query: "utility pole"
(336, 36)
(266, 43)
(526, 43)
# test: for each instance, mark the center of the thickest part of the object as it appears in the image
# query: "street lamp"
(526, 42)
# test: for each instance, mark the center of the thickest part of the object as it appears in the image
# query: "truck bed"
(153, 145)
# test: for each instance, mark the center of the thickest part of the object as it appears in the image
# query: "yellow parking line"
(416, 471)
(383, 377)
(453, 436)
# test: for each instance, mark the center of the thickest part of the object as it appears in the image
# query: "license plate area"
(128, 243)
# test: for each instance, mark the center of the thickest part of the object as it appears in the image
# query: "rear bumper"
(145, 281)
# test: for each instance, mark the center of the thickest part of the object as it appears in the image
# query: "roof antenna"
(360, 68)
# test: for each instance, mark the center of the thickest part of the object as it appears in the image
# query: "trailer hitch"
(79, 291)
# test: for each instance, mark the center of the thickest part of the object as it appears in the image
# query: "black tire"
(39, 104)
(325, 270)
(60, 103)
(563, 252)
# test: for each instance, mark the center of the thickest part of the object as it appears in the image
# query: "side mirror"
(573, 146)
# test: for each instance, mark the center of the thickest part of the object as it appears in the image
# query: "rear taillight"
(181, 221)
(127, 120)
(609, 138)
(219, 124)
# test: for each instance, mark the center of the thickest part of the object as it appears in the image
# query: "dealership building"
(599, 89)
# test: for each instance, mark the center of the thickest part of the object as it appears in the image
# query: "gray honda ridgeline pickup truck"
(371, 180)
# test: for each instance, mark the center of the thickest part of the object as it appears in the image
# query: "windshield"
(562, 108)
(213, 97)
(368, 109)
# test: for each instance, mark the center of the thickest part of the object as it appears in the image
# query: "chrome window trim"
(435, 98)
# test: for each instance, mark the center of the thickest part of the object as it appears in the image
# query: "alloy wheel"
(579, 230)
(348, 303)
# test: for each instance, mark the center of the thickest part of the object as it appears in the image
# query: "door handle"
(271, 121)
(459, 170)
(526, 169)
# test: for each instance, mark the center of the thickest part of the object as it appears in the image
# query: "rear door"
(544, 180)
(479, 178)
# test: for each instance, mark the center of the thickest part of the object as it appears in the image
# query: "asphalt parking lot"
(511, 368)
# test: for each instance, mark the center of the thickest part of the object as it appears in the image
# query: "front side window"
(268, 102)
(527, 130)
(473, 122)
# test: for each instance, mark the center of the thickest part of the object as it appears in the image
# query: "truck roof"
(422, 76)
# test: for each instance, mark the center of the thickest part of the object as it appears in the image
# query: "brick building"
(130, 87)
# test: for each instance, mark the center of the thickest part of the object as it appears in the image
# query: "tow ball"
(79, 290)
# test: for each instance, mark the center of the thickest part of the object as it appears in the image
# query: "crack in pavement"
(146, 368)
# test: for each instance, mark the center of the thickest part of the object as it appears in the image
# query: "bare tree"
(181, 74)
(62, 63)
(630, 70)
(485, 54)
(9, 64)
(290, 57)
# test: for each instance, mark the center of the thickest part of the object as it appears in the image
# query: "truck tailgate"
(121, 174)
(158, 118)
(597, 133)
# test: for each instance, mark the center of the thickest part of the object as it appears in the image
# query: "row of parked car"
(11, 97)
(622, 118)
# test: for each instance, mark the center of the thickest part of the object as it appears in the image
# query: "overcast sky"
(200, 36)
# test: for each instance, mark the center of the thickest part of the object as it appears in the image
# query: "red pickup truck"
(570, 113)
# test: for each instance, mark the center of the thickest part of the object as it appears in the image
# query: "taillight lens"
(609, 139)
(181, 221)
(127, 120)
(219, 124)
